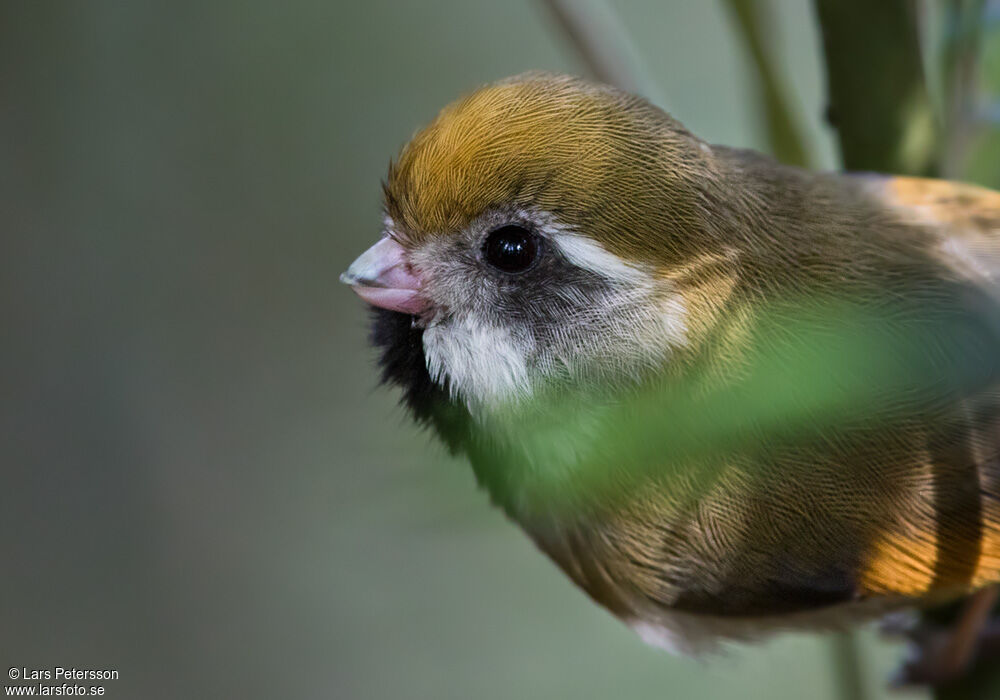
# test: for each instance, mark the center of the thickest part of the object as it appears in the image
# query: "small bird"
(726, 396)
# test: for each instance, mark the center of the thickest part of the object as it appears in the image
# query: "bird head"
(542, 230)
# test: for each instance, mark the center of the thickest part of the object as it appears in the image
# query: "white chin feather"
(479, 362)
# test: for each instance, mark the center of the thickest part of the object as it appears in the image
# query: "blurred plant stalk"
(601, 41)
(879, 103)
(752, 19)
(960, 106)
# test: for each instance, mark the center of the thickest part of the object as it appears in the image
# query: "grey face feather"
(578, 314)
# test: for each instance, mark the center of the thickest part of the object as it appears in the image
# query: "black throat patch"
(401, 359)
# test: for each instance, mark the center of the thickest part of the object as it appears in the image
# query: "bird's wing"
(948, 536)
(959, 547)
(918, 516)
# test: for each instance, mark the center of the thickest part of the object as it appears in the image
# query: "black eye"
(510, 248)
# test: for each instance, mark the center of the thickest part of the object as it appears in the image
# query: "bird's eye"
(510, 249)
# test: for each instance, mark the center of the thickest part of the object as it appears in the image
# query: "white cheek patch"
(660, 324)
(590, 255)
(479, 362)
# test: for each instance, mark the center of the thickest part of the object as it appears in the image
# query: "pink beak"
(381, 277)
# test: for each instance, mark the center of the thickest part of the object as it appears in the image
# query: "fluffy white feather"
(480, 363)
(588, 254)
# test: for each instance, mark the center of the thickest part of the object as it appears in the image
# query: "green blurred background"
(202, 485)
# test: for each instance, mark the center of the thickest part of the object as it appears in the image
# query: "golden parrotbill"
(724, 395)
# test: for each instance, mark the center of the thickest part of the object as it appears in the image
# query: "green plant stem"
(847, 666)
(783, 133)
(961, 73)
(879, 101)
(601, 41)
